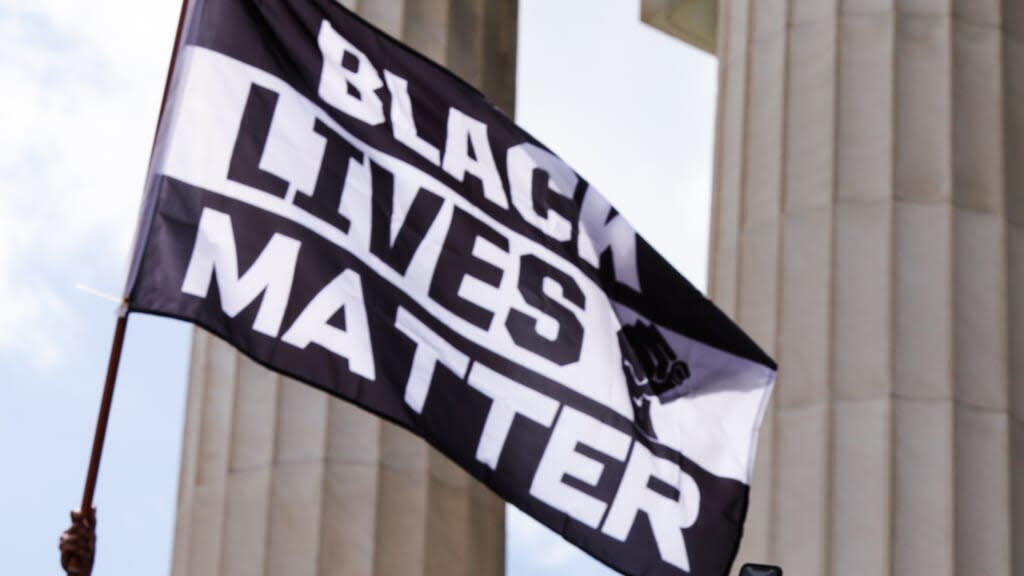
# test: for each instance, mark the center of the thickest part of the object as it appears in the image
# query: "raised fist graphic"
(651, 369)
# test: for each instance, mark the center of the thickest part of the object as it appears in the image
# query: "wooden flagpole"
(101, 421)
(79, 561)
(122, 317)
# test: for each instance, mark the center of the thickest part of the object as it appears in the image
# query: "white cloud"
(81, 85)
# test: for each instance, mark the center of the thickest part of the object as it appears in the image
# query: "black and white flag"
(350, 214)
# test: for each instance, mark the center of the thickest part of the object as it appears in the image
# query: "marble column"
(278, 478)
(868, 230)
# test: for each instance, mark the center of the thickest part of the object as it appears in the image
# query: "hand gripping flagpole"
(78, 542)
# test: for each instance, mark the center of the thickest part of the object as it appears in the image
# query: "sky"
(627, 106)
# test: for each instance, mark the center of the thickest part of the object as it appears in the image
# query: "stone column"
(869, 231)
(280, 479)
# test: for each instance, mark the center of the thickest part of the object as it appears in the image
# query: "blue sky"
(627, 106)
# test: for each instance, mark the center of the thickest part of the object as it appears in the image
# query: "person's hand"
(78, 543)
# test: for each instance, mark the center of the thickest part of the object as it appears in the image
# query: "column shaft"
(866, 230)
(1012, 24)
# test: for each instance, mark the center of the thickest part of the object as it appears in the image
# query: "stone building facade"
(868, 231)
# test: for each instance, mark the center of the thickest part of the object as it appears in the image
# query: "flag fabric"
(348, 213)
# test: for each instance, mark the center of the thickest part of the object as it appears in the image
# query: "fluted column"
(280, 479)
(1013, 139)
(869, 231)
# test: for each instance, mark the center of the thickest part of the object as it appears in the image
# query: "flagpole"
(108, 395)
(78, 541)
(122, 316)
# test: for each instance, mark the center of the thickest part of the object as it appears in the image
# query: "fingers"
(641, 343)
(66, 560)
(661, 357)
(73, 566)
(649, 350)
(75, 560)
(73, 547)
(628, 353)
(679, 373)
(85, 519)
(77, 543)
(81, 515)
(658, 352)
(651, 356)
(666, 351)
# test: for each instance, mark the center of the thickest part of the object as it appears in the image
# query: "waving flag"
(350, 214)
